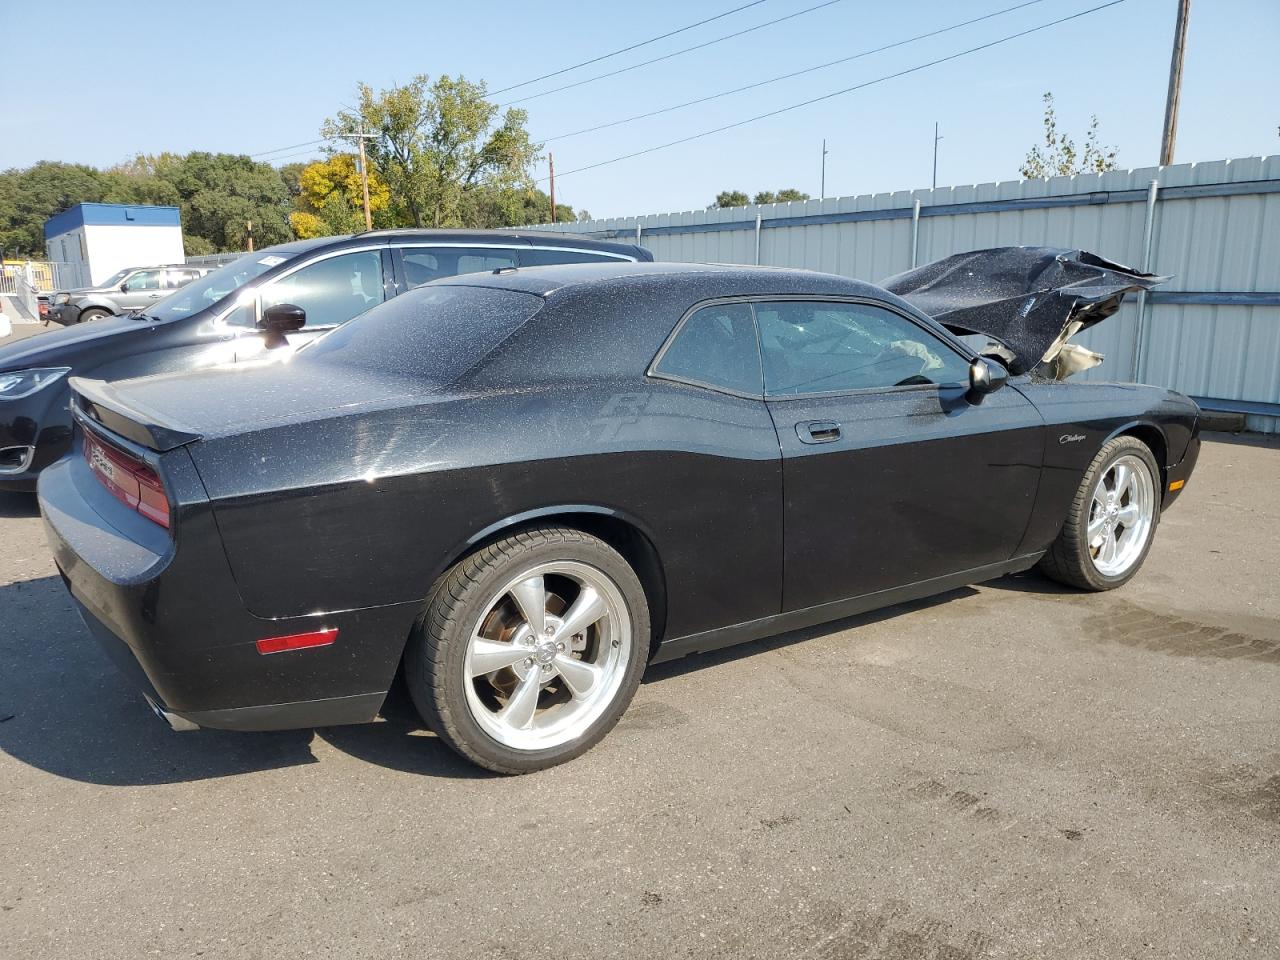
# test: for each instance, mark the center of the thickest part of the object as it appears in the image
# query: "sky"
(110, 80)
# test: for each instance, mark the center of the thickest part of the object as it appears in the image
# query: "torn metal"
(1032, 300)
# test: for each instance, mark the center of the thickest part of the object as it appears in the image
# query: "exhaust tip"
(177, 723)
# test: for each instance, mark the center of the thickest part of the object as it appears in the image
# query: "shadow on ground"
(18, 505)
(66, 709)
(699, 661)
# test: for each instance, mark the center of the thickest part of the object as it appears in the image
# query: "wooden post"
(552, 160)
(364, 183)
(1175, 85)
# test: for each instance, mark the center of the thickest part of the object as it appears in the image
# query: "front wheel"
(529, 650)
(1112, 520)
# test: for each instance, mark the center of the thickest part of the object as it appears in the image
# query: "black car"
(525, 485)
(222, 317)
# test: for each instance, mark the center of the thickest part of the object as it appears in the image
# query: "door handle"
(818, 431)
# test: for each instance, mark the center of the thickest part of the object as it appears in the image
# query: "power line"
(796, 73)
(292, 146)
(634, 46)
(837, 93)
(668, 56)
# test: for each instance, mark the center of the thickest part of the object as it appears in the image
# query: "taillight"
(130, 481)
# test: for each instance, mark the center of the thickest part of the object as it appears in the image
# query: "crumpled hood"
(45, 349)
(1032, 299)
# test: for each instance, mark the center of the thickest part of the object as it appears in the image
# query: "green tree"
(29, 197)
(437, 144)
(789, 195)
(1059, 156)
(489, 208)
(218, 195)
(729, 198)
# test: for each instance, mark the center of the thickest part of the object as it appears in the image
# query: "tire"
(93, 313)
(483, 611)
(1074, 559)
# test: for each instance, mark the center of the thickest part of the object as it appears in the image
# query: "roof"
(544, 281)
(111, 214)
(536, 238)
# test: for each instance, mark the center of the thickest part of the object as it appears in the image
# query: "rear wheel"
(93, 313)
(1112, 520)
(529, 650)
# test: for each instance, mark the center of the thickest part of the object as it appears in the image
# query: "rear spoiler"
(1031, 299)
(100, 401)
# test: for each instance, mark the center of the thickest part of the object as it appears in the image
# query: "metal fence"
(1212, 332)
(213, 259)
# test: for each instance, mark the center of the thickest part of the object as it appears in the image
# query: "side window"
(814, 347)
(541, 258)
(177, 278)
(333, 290)
(716, 346)
(475, 261)
(144, 280)
(422, 265)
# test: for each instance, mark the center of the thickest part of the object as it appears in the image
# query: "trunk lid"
(169, 410)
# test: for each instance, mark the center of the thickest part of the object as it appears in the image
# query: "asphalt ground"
(1013, 770)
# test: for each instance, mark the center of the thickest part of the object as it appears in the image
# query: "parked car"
(221, 318)
(134, 288)
(525, 485)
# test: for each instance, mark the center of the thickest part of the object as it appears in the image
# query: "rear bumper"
(168, 613)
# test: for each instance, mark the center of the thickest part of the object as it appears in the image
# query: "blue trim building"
(98, 239)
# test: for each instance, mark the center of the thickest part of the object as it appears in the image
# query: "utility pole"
(1175, 84)
(936, 138)
(248, 225)
(361, 137)
(822, 191)
(552, 160)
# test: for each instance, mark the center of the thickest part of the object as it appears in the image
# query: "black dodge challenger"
(526, 485)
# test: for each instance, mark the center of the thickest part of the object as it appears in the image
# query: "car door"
(140, 290)
(891, 476)
(332, 288)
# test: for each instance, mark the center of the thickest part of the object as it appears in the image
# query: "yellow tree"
(330, 199)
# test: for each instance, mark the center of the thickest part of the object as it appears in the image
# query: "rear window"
(433, 333)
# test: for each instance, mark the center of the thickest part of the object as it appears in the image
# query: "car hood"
(84, 291)
(169, 410)
(54, 347)
(1031, 299)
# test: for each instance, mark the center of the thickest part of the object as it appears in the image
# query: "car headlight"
(61, 298)
(23, 383)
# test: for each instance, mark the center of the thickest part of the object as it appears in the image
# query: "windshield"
(209, 289)
(116, 278)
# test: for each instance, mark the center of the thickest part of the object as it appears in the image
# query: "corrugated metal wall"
(1212, 332)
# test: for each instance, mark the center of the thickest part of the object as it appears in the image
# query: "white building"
(99, 239)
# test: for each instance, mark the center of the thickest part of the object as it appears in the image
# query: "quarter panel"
(368, 509)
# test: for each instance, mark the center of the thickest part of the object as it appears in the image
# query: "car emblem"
(1071, 438)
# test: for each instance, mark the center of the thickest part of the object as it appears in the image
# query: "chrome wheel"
(547, 655)
(1121, 516)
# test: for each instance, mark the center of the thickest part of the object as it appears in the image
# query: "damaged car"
(517, 489)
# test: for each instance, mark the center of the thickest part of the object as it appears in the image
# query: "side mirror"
(985, 376)
(282, 318)
(124, 287)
